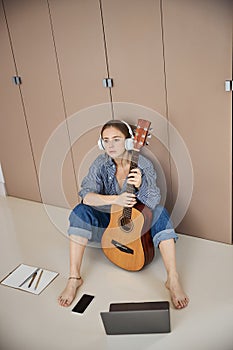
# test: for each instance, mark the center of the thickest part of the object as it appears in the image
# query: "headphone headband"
(129, 128)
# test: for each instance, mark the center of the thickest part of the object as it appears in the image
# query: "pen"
(38, 279)
(28, 278)
(33, 277)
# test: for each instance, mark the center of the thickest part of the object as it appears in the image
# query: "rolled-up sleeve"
(148, 193)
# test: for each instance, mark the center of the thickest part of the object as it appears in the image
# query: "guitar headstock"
(141, 133)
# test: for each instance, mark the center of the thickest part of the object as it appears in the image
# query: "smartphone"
(83, 303)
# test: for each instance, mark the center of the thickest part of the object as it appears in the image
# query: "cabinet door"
(15, 147)
(34, 53)
(78, 36)
(135, 55)
(198, 51)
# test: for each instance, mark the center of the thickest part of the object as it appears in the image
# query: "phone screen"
(83, 303)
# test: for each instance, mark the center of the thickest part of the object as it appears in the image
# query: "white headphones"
(129, 142)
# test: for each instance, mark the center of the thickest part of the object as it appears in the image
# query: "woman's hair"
(118, 124)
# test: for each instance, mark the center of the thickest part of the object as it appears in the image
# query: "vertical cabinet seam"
(166, 97)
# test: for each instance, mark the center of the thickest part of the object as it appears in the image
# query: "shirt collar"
(109, 161)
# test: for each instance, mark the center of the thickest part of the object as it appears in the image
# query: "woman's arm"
(148, 192)
(125, 199)
(96, 199)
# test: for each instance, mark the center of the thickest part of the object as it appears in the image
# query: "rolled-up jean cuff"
(164, 236)
(77, 231)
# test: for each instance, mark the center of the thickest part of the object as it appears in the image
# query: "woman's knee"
(82, 209)
(161, 218)
(160, 212)
(89, 218)
(81, 216)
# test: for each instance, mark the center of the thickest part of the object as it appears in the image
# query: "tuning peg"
(151, 129)
(149, 136)
(147, 143)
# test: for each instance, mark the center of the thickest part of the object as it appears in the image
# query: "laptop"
(137, 318)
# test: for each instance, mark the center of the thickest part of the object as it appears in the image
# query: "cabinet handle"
(108, 82)
(17, 80)
(228, 85)
(105, 83)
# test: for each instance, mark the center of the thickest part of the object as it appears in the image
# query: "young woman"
(105, 185)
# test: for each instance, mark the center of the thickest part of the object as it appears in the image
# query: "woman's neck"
(123, 161)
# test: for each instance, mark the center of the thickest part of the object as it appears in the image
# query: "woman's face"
(114, 142)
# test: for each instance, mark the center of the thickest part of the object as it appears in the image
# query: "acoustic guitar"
(127, 241)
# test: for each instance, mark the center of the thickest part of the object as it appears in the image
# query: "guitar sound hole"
(126, 224)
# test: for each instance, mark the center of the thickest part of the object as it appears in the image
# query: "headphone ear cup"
(129, 144)
(100, 144)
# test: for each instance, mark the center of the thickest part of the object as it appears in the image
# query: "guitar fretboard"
(127, 212)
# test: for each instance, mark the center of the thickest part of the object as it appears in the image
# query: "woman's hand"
(126, 199)
(135, 178)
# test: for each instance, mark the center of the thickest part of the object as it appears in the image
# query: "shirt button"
(110, 178)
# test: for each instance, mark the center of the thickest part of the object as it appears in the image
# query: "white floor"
(30, 236)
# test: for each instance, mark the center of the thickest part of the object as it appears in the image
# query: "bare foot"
(178, 296)
(69, 293)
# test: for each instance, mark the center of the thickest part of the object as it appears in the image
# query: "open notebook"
(28, 278)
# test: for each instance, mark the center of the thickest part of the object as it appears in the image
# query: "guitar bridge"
(123, 248)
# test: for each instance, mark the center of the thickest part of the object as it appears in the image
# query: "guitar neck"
(134, 160)
(133, 165)
(130, 188)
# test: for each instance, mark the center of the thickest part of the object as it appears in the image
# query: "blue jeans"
(91, 222)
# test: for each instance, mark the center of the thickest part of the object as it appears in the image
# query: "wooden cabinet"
(78, 37)
(35, 59)
(198, 51)
(15, 143)
(134, 42)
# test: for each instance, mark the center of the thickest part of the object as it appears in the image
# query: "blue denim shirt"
(101, 179)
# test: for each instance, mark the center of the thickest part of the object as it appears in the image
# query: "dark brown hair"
(118, 124)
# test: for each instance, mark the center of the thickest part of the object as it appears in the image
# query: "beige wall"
(167, 56)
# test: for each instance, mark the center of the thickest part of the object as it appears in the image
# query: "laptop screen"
(137, 318)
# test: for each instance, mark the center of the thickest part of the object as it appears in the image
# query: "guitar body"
(129, 246)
